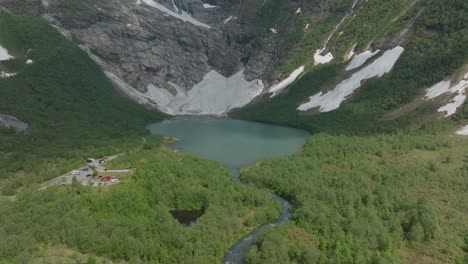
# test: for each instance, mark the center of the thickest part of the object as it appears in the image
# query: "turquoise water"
(234, 143)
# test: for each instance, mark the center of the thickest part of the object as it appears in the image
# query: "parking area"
(85, 175)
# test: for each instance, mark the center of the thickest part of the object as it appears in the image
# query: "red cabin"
(107, 178)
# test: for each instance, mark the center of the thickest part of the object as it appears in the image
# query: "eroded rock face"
(9, 121)
(171, 47)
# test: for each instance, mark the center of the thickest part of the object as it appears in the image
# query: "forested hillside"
(369, 200)
(131, 221)
(69, 104)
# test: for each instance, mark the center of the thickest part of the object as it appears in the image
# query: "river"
(235, 144)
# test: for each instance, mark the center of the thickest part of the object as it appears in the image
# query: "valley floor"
(394, 198)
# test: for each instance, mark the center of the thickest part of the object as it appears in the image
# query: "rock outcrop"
(9, 121)
(180, 56)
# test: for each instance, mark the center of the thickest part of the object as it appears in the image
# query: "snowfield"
(322, 59)
(4, 55)
(437, 90)
(332, 100)
(460, 90)
(463, 131)
(214, 95)
(184, 16)
(277, 88)
(360, 59)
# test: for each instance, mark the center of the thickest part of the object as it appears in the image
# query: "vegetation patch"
(131, 221)
(72, 109)
(369, 199)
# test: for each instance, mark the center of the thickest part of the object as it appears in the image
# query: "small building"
(107, 178)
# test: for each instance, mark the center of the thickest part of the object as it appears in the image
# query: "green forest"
(71, 107)
(358, 199)
(131, 221)
(74, 113)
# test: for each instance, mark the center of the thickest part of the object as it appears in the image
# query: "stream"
(235, 144)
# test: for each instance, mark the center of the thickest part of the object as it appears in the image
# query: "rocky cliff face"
(180, 56)
(210, 56)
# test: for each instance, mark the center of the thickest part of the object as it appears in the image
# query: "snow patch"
(463, 131)
(277, 88)
(360, 59)
(4, 55)
(6, 74)
(209, 6)
(184, 16)
(319, 59)
(299, 11)
(214, 95)
(227, 20)
(274, 31)
(460, 90)
(307, 26)
(458, 100)
(437, 90)
(29, 61)
(332, 100)
(322, 59)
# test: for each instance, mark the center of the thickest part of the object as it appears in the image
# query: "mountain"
(195, 57)
(382, 85)
(384, 80)
(191, 57)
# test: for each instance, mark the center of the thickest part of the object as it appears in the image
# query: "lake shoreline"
(237, 145)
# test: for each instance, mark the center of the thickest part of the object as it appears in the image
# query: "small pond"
(186, 216)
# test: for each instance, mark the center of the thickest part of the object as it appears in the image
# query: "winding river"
(235, 144)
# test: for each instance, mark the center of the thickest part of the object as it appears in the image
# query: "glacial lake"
(234, 143)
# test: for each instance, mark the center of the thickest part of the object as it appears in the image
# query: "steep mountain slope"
(192, 57)
(183, 57)
(179, 57)
(346, 97)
